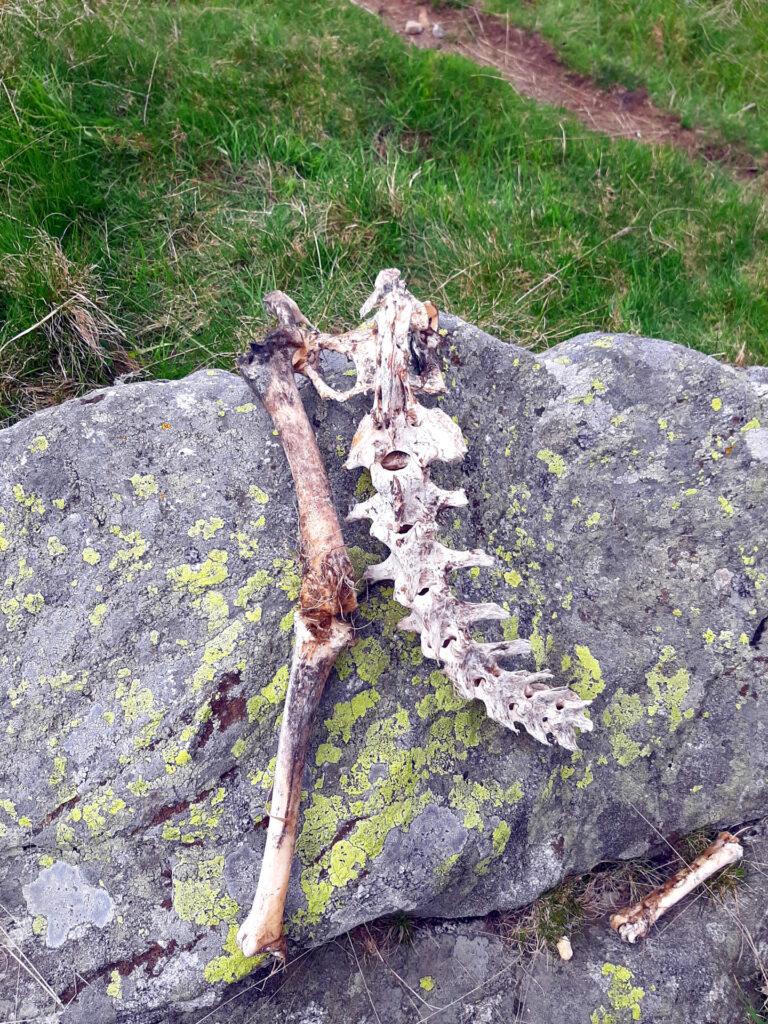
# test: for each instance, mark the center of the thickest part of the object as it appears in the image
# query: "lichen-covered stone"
(147, 575)
(701, 964)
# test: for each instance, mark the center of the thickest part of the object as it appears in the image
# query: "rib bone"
(633, 923)
(327, 598)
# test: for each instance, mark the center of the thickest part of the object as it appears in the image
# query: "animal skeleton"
(396, 356)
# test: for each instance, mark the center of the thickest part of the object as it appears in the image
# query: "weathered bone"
(327, 598)
(633, 923)
(396, 442)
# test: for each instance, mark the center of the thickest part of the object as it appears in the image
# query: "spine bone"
(397, 442)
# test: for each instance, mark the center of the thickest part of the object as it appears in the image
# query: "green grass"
(163, 165)
(703, 59)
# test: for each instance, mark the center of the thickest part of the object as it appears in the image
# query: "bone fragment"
(633, 923)
(321, 629)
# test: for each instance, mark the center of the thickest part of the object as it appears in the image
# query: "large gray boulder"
(147, 547)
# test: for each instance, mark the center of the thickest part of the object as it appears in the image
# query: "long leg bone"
(320, 631)
(397, 441)
(633, 923)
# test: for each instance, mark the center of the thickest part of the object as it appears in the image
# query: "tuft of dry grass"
(574, 904)
(73, 347)
(380, 938)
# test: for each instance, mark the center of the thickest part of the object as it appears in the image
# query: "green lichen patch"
(347, 713)
(55, 548)
(554, 463)
(258, 495)
(327, 753)
(382, 791)
(360, 560)
(364, 488)
(513, 578)
(31, 502)
(206, 528)
(472, 797)
(726, 506)
(128, 561)
(247, 539)
(346, 862)
(669, 688)
(263, 704)
(232, 965)
(95, 813)
(624, 997)
(442, 699)
(253, 586)
(624, 712)
(381, 608)
(115, 985)
(96, 618)
(501, 835)
(289, 579)
(38, 445)
(197, 892)
(589, 677)
(195, 579)
(445, 867)
(144, 486)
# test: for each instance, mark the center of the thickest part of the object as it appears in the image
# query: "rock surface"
(697, 966)
(147, 546)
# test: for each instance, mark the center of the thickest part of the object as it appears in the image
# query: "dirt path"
(532, 67)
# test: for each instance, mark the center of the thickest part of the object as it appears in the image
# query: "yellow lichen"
(38, 445)
(669, 688)
(255, 492)
(198, 897)
(206, 528)
(554, 463)
(624, 997)
(115, 986)
(97, 615)
(232, 965)
(589, 677)
(55, 547)
(30, 501)
(144, 486)
(195, 579)
(624, 711)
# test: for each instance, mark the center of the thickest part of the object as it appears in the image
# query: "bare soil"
(532, 67)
